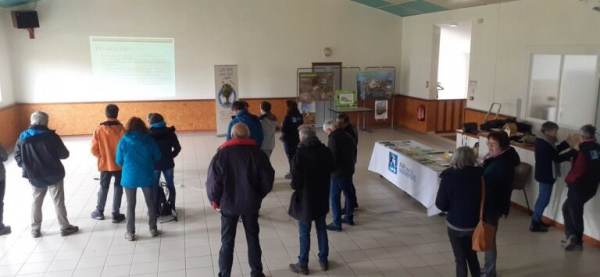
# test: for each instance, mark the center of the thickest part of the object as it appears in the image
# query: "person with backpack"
(269, 126)
(136, 153)
(169, 146)
(289, 131)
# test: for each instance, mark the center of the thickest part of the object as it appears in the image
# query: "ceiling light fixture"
(453, 25)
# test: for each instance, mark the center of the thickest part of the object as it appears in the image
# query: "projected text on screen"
(133, 68)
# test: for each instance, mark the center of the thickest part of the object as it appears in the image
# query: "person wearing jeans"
(39, 151)
(459, 195)
(547, 169)
(104, 147)
(311, 170)
(136, 153)
(4, 229)
(240, 176)
(582, 182)
(343, 149)
(169, 146)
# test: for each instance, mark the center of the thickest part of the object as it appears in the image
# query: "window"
(563, 89)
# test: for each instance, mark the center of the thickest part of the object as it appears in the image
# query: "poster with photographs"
(375, 85)
(345, 99)
(309, 112)
(381, 109)
(315, 86)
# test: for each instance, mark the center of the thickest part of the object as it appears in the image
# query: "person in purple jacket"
(240, 176)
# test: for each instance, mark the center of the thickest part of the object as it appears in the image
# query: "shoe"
(288, 176)
(97, 215)
(356, 208)
(572, 243)
(118, 218)
(36, 233)
(545, 225)
(154, 232)
(348, 221)
(69, 230)
(129, 236)
(297, 268)
(324, 266)
(5, 231)
(536, 227)
(332, 227)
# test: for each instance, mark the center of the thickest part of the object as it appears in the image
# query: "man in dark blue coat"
(250, 120)
(240, 176)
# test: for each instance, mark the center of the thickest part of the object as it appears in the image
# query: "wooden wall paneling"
(472, 115)
(8, 125)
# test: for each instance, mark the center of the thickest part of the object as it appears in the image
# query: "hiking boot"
(324, 266)
(69, 230)
(97, 215)
(332, 227)
(129, 236)
(36, 233)
(536, 227)
(118, 218)
(5, 231)
(154, 232)
(297, 268)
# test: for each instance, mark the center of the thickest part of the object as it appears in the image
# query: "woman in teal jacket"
(137, 152)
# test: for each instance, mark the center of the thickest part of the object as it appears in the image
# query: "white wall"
(501, 45)
(6, 87)
(267, 39)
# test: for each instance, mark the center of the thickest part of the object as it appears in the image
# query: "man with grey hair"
(240, 176)
(343, 148)
(39, 151)
(582, 182)
(311, 170)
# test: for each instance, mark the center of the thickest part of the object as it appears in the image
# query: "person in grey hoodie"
(4, 229)
(269, 126)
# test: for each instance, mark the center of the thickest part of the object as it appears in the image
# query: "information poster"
(309, 112)
(381, 109)
(375, 85)
(345, 99)
(226, 92)
(315, 86)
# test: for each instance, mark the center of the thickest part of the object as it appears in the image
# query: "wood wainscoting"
(8, 124)
(450, 115)
(440, 115)
(477, 116)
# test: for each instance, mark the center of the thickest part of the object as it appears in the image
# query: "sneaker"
(129, 236)
(118, 218)
(348, 221)
(69, 230)
(297, 268)
(97, 215)
(572, 243)
(324, 266)
(536, 227)
(332, 227)
(36, 233)
(288, 176)
(5, 231)
(154, 232)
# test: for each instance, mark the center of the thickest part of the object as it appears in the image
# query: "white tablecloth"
(419, 181)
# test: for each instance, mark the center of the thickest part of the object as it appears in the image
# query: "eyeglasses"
(489, 143)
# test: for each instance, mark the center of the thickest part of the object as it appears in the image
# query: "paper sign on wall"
(381, 109)
(226, 92)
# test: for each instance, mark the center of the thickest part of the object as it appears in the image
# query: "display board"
(345, 99)
(375, 85)
(133, 68)
(226, 92)
(315, 86)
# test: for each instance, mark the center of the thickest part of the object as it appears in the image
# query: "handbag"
(470, 127)
(485, 233)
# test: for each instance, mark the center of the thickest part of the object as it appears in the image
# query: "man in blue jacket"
(250, 120)
(39, 151)
(240, 176)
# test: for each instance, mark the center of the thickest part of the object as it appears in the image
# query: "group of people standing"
(460, 191)
(240, 176)
(132, 156)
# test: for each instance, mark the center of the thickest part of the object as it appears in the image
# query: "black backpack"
(164, 207)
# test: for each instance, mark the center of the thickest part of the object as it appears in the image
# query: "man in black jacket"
(240, 176)
(343, 149)
(311, 171)
(343, 121)
(39, 151)
(169, 146)
(547, 168)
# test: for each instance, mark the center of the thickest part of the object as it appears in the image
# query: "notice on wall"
(381, 109)
(375, 85)
(133, 68)
(226, 92)
(345, 99)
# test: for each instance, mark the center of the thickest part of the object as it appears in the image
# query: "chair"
(520, 180)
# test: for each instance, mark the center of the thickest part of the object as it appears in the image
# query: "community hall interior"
(446, 69)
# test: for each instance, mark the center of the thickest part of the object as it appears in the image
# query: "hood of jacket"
(238, 141)
(509, 157)
(34, 130)
(311, 141)
(161, 131)
(268, 116)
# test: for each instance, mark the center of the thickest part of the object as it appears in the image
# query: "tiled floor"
(392, 236)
